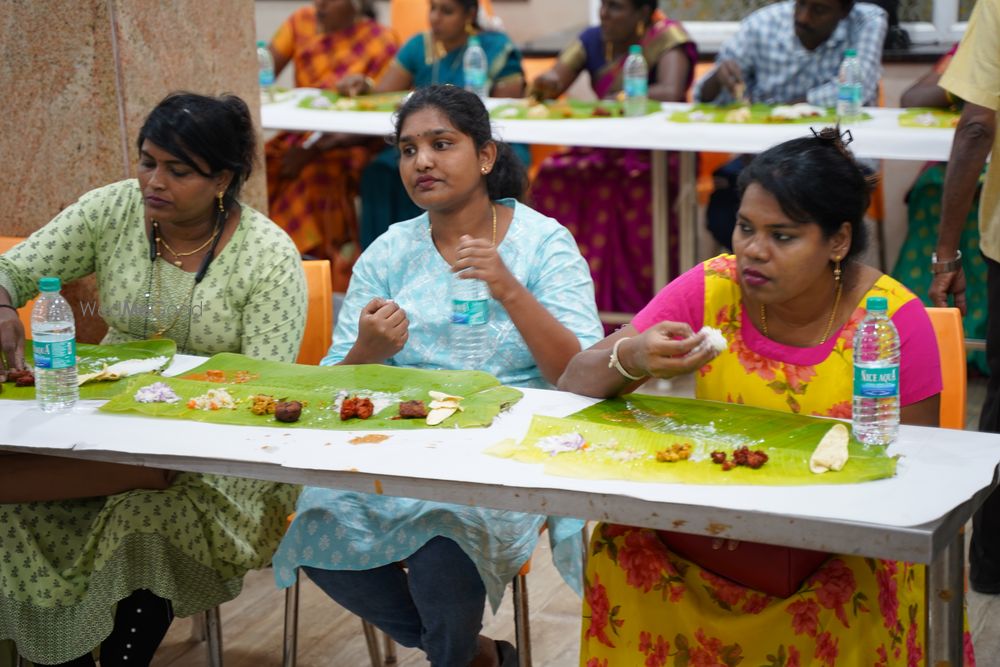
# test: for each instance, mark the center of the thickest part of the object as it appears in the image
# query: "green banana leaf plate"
(329, 101)
(320, 388)
(92, 358)
(758, 114)
(935, 118)
(619, 439)
(563, 109)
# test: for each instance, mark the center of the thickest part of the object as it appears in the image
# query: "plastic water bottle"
(636, 77)
(474, 68)
(875, 413)
(849, 89)
(470, 314)
(53, 336)
(265, 69)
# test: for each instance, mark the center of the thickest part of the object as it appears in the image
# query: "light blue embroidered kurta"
(356, 531)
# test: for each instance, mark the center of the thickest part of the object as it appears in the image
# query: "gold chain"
(160, 239)
(829, 323)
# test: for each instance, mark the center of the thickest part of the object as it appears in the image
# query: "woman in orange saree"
(311, 188)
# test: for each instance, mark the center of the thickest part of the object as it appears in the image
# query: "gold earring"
(470, 29)
(836, 269)
(484, 170)
(640, 30)
(221, 207)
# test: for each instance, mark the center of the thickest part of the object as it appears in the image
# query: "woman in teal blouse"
(429, 58)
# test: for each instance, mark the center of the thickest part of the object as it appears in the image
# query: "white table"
(881, 137)
(896, 518)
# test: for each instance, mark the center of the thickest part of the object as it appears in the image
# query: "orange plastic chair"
(707, 162)
(24, 312)
(319, 314)
(947, 324)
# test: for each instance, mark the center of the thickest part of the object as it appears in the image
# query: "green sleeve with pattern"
(65, 247)
(275, 316)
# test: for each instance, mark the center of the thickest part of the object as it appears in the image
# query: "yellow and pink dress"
(644, 605)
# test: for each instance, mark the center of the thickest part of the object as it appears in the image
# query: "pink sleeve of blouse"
(919, 361)
(682, 300)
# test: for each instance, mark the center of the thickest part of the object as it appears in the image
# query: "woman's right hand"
(665, 350)
(382, 331)
(11, 342)
(353, 84)
(545, 86)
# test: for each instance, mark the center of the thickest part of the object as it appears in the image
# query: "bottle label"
(876, 381)
(475, 78)
(266, 78)
(470, 312)
(849, 93)
(55, 355)
(636, 87)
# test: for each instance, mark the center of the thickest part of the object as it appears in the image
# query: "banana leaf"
(623, 435)
(329, 101)
(562, 109)
(319, 387)
(759, 113)
(921, 117)
(92, 358)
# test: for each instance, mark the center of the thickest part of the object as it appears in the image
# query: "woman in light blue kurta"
(542, 306)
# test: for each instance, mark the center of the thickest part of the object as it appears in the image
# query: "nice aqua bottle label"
(55, 355)
(470, 312)
(876, 381)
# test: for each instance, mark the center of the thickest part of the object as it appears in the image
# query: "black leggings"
(141, 623)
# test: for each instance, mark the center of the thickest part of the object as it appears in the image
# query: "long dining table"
(916, 516)
(879, 137)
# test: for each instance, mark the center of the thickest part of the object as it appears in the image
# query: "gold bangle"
(613, 361)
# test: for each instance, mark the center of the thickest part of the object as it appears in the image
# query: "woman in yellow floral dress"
(788, 303)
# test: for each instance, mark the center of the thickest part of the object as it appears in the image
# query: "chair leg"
(198, 624)
(291, 641)
(213, 628)
(390, 650)
(371, 638)
(522, 629)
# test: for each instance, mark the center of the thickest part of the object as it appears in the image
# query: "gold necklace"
(493, 210)
(829, 323)
(178, 255)
(177, 314)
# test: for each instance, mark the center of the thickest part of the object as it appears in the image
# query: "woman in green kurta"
(102, 555)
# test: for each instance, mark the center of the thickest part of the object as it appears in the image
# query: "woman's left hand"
(479, 259)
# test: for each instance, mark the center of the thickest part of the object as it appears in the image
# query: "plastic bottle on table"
(470, 315)
(475, 68)
(636, 82)
(265, 70)
(875, 413)
(849, 88)
(53, 335)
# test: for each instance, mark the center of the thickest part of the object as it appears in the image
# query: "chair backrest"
(24, 313)
(319, 315)
(408, 17)
(947, 324)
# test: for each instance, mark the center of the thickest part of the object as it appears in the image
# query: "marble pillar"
(77, 79)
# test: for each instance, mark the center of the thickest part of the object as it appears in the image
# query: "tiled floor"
(329, 636)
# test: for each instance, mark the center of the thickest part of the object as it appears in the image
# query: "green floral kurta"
(65, 565)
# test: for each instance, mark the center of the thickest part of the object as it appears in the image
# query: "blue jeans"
(436, 605)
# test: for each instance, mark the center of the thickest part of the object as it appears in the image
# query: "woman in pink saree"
(604, 196)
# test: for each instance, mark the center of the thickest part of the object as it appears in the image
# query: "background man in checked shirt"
(785, 53)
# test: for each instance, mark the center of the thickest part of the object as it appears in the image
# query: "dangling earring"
(836, 270)
(221, 207)
(470, 29)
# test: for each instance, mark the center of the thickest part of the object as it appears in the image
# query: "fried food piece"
(412, 410)
(351, 407)
(287, 411)
(215, 376)
(674, 453)
(262, 404)
(21, 378)
(718, 457)
(831, 452)
(601, 112)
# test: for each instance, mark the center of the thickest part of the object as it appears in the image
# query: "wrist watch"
(946, 266)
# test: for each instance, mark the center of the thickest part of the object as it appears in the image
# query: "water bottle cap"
(877, 304)
(261, 44)
(473, 40)
(850, 53)
(50, 284)
(635, 49)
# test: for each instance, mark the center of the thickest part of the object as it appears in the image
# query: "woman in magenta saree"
(604, 196)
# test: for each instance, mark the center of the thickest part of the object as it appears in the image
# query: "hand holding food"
(731, 78)
(11, 341)
(353, 84)
(382, 330)
(668, 349)
(546, 86)
(478, 258)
